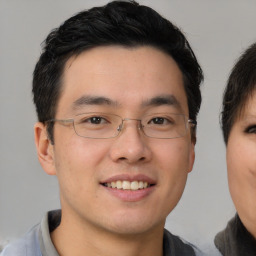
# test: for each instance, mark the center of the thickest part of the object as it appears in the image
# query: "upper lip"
(129, 177)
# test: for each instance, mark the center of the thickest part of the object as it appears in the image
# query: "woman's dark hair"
(241, 85)
(124, 23)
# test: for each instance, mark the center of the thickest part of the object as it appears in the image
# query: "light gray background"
(218, 32)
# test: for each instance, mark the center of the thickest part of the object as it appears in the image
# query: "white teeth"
(141, 184)
(119, 184)
(112, 184)
(134, 185)
(127, 185)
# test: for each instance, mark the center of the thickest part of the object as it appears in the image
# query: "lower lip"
(130, 195)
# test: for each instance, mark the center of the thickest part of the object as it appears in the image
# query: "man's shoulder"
(28, 245)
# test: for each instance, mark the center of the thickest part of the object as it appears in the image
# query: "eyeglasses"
(97, 125)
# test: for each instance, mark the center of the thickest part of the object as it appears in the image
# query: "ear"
(44, 148)
(191, 156)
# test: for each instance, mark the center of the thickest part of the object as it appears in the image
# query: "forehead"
(127, 76)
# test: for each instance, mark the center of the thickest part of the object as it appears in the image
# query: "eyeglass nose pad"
(140, 125)
(119, 128)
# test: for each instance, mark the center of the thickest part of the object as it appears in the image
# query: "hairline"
(239, 111)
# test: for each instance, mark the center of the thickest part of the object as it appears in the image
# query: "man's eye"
(251, 129)
(94, 120)
(160, 120)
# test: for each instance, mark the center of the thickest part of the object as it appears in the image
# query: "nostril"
(124, 158)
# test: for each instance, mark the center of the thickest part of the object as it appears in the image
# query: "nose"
(131, 145)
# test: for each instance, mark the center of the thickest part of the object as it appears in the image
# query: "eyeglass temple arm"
(60, 120)
(193, 122)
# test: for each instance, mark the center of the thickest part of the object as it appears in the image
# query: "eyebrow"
(160, 100)
(93, 100)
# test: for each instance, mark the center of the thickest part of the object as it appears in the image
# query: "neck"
(79, 239)
(250, 226)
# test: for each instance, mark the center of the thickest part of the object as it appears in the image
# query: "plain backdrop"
(218, 32)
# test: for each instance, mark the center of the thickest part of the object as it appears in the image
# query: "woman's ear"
(44, 148)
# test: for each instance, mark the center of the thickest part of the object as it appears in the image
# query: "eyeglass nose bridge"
(120, 127)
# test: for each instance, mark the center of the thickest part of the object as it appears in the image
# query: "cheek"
(174, 157)
(241, 162)
(241, 165)
(235, 168)
(76, 161)
(174, 164)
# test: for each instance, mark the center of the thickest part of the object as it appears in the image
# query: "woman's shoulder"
(235, 240)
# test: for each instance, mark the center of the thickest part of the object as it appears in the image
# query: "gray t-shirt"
(37, 242)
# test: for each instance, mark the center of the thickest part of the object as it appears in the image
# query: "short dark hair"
(123, 23)
(240, 86)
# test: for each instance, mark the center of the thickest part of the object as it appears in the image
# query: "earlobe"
(191, 157)
(44, 149)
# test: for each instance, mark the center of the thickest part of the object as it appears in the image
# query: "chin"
(132, 225)
(132, 229)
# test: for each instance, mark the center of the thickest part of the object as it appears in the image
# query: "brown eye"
(251, 129)
(160, 121)
(96, 120)
(93, 120)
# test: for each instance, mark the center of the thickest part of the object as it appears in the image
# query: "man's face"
(129, 80)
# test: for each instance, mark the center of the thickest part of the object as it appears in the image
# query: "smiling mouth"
(128, 185)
